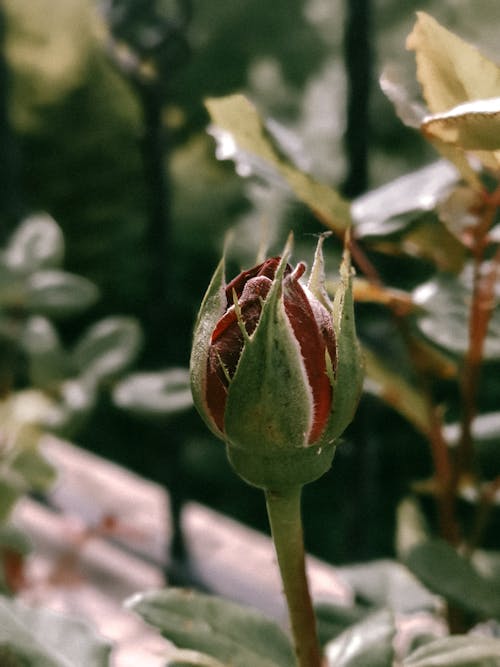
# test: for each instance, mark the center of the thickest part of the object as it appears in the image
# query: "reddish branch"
(481, 310)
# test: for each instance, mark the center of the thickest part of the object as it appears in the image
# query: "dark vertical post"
(358, 58)
(156, 161)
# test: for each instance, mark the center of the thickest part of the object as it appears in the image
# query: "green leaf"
(332, 619)
(154, 394)
(59, 294)
(224, 630)
(36, 244)
(9, 493)
(12, 292)
(40, 638)
(240, 125)
(411, 526)
(48, 362)
(387, 583)
(69, 410)
(394, 87)
(394, 206)
(394, 390)
(457, 651)
(452, 73)
(15, 540)
(14, 547)
(366, 644)
(108, 348)
(470, 126)
(33, 468)
(450, 70)
(485, 429)
(180, 658)
(429, 240)
(443, 315)
(445, 572)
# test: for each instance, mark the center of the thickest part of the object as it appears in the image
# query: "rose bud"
(276, 369)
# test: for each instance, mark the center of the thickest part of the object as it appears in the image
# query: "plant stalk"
(283, 509)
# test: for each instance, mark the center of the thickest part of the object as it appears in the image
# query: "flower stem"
(283, 509)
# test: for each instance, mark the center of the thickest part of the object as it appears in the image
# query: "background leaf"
(368, 643)
(37, 243)
(471, 126)
(445, 572)
(108, 347)
(386, 583)
(48, 362)
(332, 619)
(236, 116)
(394, 390)
(450, 70)
(58, 293)
(70, 408)
(392, 207)
(40, 638)
(9, 493)
(444, 314)
(154, 394)
(182, 658)
(457, 651)
(221, 629)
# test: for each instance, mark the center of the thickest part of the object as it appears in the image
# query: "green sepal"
(348, 372)
(211, 310)
(279, 470)
(269, 406)
(317, 280)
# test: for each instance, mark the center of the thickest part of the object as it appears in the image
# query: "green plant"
(439, 372)
(50, 387)
(446, 216)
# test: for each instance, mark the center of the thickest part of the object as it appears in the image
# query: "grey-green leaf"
(47, 360)
(10, 490)
(40, 638)
(387, 583)
(394, 206)
(159, 394)
(186, 658)
(67, 412)
(33, 468)
(333, 618)
(58, 293)
(14, 539)
(108, 348)
(223, 630)
(485, 429)
(37, 243)
(365, 644)
(472, 125)
(457, 651)
(240, 125)
(445, 572)
(443, 315)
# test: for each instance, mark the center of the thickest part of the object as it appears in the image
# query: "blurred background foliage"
(96, 95)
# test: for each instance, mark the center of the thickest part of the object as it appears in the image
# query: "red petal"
(313, 347)
(267, 268)
(227, 344)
